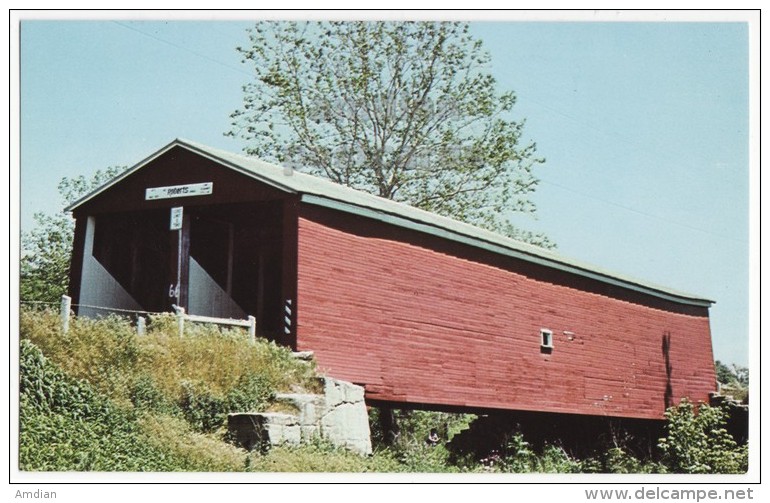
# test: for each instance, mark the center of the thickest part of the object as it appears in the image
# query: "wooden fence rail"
(250, 323)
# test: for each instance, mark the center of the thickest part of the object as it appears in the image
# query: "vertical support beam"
(172, 300)
(289, 240)
(230, 253)
(66, 304)
(76, 266)
(136, 238)
(184, 287)
(261, 284)
(179, 264)
(252, 329)
(89, 232)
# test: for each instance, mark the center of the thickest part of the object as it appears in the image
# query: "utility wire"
(643, 213)
(638, 146)
(183, 48)
(581, 122)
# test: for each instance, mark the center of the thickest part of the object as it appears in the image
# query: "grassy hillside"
(101, 398)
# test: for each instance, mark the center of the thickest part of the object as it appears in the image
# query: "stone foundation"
(338, 416)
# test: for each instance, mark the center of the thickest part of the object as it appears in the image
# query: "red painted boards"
(419, 319)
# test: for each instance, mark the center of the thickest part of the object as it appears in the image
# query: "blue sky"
(644, 128)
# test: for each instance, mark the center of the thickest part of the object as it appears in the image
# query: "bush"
(103, 352)
(104, 398)
(411, 448)
(66, 426)
(697, 441)
(517, 456)
(252, 392)
(207, 412)
(145, 395)
(618, 460)
(218, 370)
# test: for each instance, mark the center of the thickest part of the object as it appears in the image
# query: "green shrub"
(423, 458)
(618, 460)
(104, 352)
(518, 456)
(697, 441)
(555, 459)
(42, 387)
(200, 407)
(145, 395)
(218, 369)
(252, 392)
(66, 426)
(411, 449)
(207, 412)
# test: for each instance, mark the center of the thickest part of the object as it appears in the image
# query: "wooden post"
(66, 304)
(180, 320)
(141, 325)
(261, 287)
(252, 329)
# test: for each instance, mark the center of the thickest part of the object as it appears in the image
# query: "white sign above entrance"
(193, 189)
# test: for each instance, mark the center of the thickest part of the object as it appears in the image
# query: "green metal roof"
(321, 192)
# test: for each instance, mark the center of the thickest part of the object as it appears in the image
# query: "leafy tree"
(733, 379)
(403, 110)
(46, 250)
(734, 375)
(44, 267)
(697, 441)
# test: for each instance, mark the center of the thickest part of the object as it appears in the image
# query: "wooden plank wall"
(420, 321)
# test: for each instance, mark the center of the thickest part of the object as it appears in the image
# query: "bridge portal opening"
(223, 261)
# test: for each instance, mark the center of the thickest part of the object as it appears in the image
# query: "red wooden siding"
(420, 320)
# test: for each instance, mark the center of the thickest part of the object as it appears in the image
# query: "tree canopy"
(404, 110)
(733, 375)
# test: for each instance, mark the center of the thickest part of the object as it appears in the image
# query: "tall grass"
(160, 365)
(65, 425)
(103, 398)
(321, 457)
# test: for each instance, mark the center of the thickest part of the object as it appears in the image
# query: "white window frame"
(546, 338)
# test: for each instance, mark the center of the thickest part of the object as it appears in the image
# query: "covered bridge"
(420, 309)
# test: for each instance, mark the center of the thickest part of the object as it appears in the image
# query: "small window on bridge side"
(546, 339)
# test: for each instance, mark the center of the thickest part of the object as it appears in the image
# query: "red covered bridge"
(422, 310)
